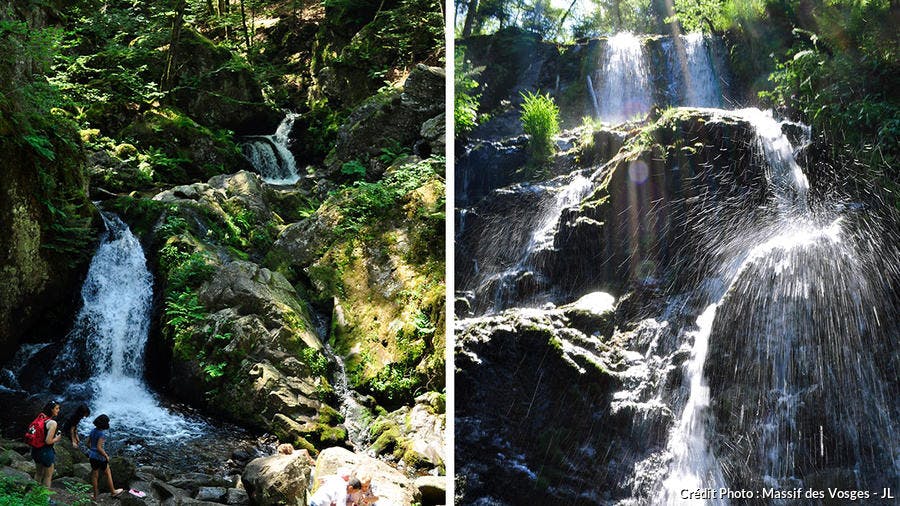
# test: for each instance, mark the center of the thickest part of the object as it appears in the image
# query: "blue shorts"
(44, 456)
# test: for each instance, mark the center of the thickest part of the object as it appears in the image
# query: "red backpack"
(36, 435)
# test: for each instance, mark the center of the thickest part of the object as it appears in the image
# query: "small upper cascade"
(270, 154)
(624, 90)
(111, 332)
(701, 85)
(788, 181)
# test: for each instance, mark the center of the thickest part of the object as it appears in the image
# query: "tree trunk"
(562, 20)
(169, 76)
(246, 31)
(470, 18)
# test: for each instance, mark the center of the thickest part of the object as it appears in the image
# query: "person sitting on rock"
(332, 491)
(99, 457)
(366, 494)
(70, 426)
(354, 493)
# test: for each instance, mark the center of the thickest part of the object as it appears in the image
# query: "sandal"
(118, 492)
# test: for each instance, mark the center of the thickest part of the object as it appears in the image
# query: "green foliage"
(392, 153)
(394, 384)
(398, 36)
(81, 493)
(216, 370)
(14, 492)
(316, 360)
(354, 168)
(540, 120)
(362, 202)
(465, 102)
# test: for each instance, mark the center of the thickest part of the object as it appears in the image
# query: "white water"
(701, 85)
(624, 89)
(542, 236)
(693, 466)
(270, 154)
(114, 322)
(790, 185)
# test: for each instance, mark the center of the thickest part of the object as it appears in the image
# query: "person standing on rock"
(99, 457)
(70, 426)
(41, 436)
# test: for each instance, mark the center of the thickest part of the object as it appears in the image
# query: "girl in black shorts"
(99, 457)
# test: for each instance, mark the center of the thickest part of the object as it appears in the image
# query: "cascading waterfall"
(110, 334)
(700, 86)
(775, 292)
(270, 154)
(541, 237)
(624, 87)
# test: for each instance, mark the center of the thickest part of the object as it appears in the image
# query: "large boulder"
(277, 480)
(390, 120)
(559, 389)
(249, 289)
(48, 222)
(217, 93)
(390, 485)
(413, 436)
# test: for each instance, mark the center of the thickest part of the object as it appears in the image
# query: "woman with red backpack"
(41, 436)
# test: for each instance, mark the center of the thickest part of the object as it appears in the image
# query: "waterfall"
(701, 85)
(799, 316)
(270, 154)
(789, 183)
(110, 335)
(541, 234)
(624, 87)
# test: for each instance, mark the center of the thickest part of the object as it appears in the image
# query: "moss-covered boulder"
(390, 123)
(413, 436)
(50, 228)
(217, 90)
(179, 150)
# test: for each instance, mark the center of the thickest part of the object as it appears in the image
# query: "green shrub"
(15, 492)
(465, 104)
(540, 120)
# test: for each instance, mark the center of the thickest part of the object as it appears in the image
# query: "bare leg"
(48, 476)
(38, 473)
(112, 488)
(94, 475)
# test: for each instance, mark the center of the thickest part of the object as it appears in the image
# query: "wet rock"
(505, 159)
(237, 497)
(166, 492)
(277, 480)
(212, 494)
(559, 389)
(383, 120)
(123, 470)
(432, 488)
(592, 313)
(391, 486)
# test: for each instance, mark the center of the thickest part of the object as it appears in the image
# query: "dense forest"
(281, 166)
(676, 232)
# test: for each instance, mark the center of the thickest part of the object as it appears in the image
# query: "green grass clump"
(540, 120)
